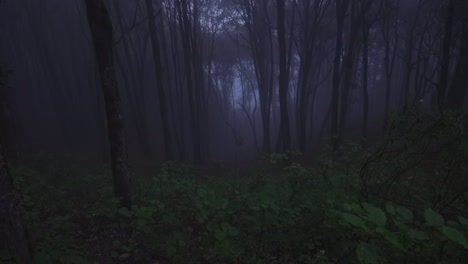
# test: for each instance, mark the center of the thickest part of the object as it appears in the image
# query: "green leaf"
(377, 216)
(432, 218)
(454, 235)
(463, 220)
(390, 237)
(418, 235)
(357, 207)
(233, 231)
(124, 211)
(405, 213)
(367, 253)
(355, 221)
(390, 209)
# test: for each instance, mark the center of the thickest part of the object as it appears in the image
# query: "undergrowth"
(401, 202)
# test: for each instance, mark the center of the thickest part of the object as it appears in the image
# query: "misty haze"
(233, 131)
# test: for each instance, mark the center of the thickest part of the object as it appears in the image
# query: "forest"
(234, 131)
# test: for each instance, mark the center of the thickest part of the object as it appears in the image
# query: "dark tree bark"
(408, 60)
(283, 77)
(459, 86)
(445, 60)
(310, 18)
(389, 23)
(101, 31)
(134, 84)
(256, 21)
(12, 228)
(341, 9)
(348, 64)
(365, 70)
(11, 219)
(188, 23)
(158, 62)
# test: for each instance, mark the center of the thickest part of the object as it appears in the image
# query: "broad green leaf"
(347, 207)
(355, 221)
(418, 234)
(390, 209)
(233, 231)
(390, 237)
(454, 235)
(463, 220)
(124, 211)
(377, 216)
(432, 218)
(367, 253)
(405, 213)
(357, 207)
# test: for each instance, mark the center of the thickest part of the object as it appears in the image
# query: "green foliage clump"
(401, 202)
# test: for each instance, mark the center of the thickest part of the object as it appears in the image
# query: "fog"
(220, 67)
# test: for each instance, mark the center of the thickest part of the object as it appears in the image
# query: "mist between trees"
(223, 78)
(225, 81)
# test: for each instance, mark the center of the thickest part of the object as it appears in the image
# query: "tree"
(389, 23)
(445, 60)
(341, 10)
(158, 62)
(283, 77)
(101, 30)
(259, 37)
(459, 86)
(311, 14)
(11, 220)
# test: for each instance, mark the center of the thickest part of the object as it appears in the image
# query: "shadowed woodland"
(233, 131)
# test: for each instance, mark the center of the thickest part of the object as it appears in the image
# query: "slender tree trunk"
(134, 89)
(155, 41)
(348, 68)
(11, 220)
(365, 92)
(101, 31)
(389, 62)
(445, 60)
(12, 229)
(341, 8)
(459, 86)
(283, 78)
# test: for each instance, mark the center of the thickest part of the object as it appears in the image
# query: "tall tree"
(349, 60)
(459, 85)
(189, 28)
(101, 30)
(11, 220)
(389, 25)
(132, 72)
(311, 15)
(445, 59)
(256, 21)
(283, 77)
(158, 62)
(341, 10)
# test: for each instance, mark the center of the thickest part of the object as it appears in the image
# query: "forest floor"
(402, 201)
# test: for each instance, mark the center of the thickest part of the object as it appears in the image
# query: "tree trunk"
(283, 78)
(11, 219)
(459, 86)
(389, 61)
(341, 7)
(365, 92)
(101, 31)
(348, 68)
(445, 60)
(159, 79)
